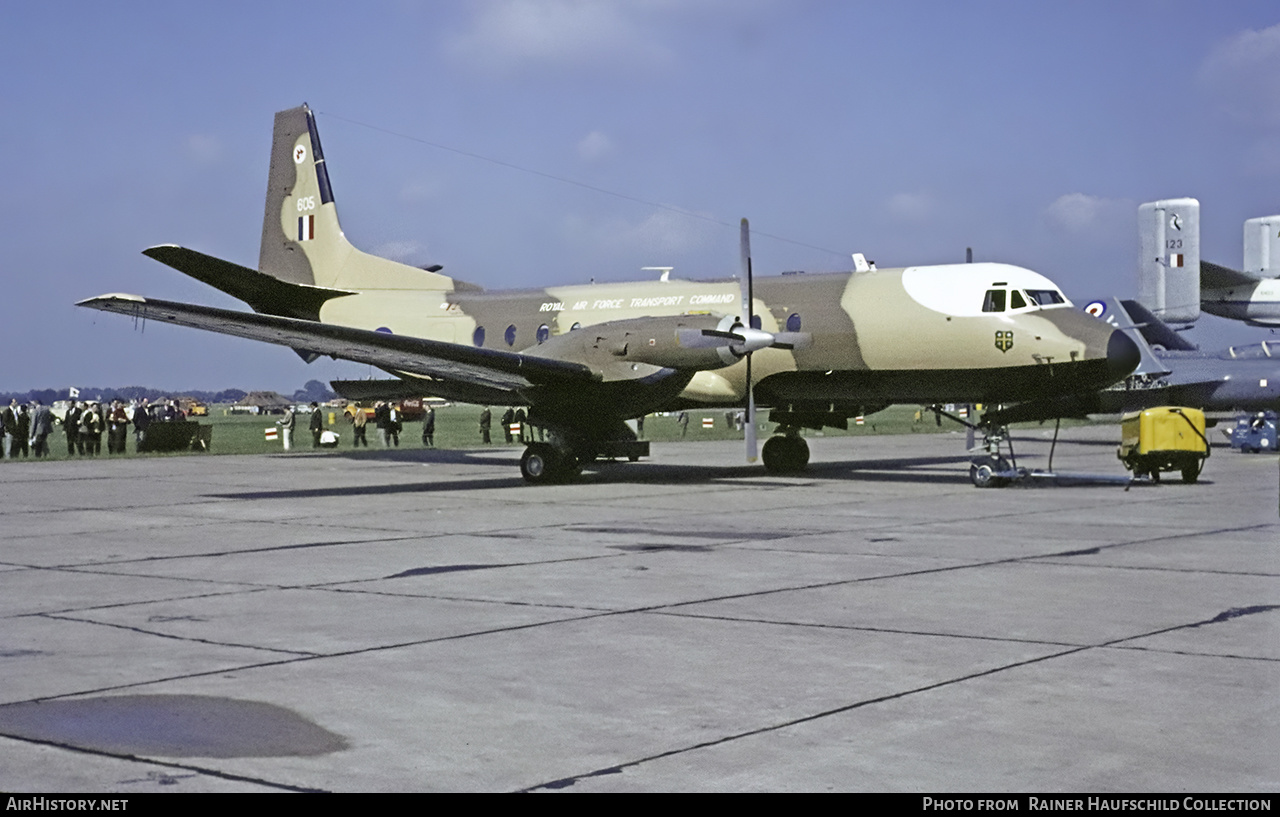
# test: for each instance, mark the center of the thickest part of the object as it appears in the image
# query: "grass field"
(459, 427)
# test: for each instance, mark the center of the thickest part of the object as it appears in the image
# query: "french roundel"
(1097, 309)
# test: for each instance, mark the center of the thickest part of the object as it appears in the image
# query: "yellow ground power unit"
(1168, 438)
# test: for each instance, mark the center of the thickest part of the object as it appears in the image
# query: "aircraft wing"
(1216, 276)
(485, 368)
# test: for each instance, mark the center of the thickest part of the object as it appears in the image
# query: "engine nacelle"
(685, 342)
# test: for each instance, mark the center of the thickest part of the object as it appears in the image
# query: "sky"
(525, 143)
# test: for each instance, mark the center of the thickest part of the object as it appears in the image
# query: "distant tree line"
(313, 390)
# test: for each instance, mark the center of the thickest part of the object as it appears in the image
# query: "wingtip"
(110, 297)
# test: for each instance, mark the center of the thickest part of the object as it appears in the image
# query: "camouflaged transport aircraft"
(816, 349)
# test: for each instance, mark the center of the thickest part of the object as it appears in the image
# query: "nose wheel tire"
(983, 474)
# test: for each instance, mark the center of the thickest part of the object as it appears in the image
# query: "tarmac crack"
(137, 602)
(817, 625)
(324, 656)
(186, 767)
(1162, 569)
(192, 639)
(223, 553)
(470, 599)
(566, 782)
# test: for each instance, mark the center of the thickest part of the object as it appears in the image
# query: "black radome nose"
(1122, 354)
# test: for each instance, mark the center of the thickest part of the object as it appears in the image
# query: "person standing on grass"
(317, 424)
(287, 423)
(358, 422)
(429, 428)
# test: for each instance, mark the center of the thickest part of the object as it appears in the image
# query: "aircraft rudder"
(1169, 258)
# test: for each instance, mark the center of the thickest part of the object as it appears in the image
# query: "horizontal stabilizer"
(490, 368)
(367, 391)
(385, 389)
(1216, 276)
(265, 293)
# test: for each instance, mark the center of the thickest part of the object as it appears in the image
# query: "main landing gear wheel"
(785, 455)
(543, 463)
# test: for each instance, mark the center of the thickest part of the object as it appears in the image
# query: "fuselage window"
(1016, 300)
(755, 322)
(994, 302)
(511, 335)
(793, 323)
(1045, 297)
(576, 326)
(544, 332)
(478, 337)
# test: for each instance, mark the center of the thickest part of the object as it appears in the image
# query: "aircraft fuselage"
(915, 334)
(1258, 303)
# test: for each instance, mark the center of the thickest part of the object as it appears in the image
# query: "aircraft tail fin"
(1262, 247)
(1125, 317)
(1169, 264)
(302, 241)
(1155, 331)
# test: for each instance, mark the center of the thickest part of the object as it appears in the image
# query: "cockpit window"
(1045, 297)
(994, 302)
(1016, 300)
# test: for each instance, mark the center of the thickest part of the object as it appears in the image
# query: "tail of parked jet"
(1169, 263)
(1262, 247)
(1176, 285)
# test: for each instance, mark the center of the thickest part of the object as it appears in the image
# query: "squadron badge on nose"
(1004, 340)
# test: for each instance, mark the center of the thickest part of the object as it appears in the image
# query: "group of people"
(387, 419)
(515, 426)
(290, 420)
(27, 429)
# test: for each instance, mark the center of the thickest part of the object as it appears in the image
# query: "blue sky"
(906, 131)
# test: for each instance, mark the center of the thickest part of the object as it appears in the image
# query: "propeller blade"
(716, 333)
(792, 340)
(748, 301)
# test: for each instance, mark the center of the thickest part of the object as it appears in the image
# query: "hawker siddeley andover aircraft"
(584, 359)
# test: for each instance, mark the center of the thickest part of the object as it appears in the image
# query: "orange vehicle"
(193, 407)
(409, 409)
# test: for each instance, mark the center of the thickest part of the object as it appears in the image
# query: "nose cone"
(1123, 355)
